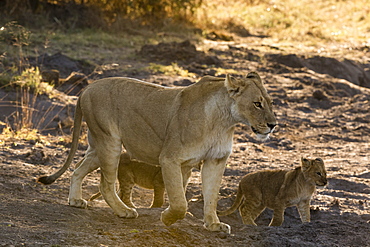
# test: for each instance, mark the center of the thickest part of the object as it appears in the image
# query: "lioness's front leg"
(88, 164)
(172, 178)
(212, 172)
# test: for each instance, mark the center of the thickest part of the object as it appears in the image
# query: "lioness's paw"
(128, 213)
(78, 203)
(219, 227)
(168, 218)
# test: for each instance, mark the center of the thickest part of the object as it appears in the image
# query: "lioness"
(166, 126)
(132, 172)
(277, 190)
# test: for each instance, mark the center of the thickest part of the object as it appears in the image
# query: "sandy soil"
(320, 115)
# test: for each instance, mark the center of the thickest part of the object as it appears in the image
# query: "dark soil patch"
(65, 65)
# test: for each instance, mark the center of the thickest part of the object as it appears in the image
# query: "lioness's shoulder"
(125, 80)
(207, 83)
(209, 78)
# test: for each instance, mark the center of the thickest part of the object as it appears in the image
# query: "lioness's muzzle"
(270, 126)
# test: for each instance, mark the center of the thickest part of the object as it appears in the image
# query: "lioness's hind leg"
(109, 152)
(88, 164)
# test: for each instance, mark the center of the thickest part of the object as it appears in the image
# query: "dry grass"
(308, 21)
(171, 70)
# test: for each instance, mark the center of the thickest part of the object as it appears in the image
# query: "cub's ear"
(233, 86)
(319, 160)
(306, 164)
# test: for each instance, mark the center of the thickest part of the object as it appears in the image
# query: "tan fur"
(131, 173)
(169, 127)
(277, 190)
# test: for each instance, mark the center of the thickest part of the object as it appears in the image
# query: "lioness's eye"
(318, 173)
(258, 104)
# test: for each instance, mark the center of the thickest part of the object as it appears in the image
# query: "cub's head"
(252, 105)
(314, 171)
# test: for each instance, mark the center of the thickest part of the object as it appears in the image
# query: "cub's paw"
(168, 218)
(130, 213)
(78, 203)
(218, 227)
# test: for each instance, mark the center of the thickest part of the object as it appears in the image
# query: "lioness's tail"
(235, 206)
(75, 136)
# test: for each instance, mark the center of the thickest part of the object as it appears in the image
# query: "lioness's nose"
(271, 126)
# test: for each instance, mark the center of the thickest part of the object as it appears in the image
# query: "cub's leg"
(278, 217)
(126, 184)
(172, 178)
(252, 203)
(250, 212)
(186, 173)
(212, 172)
(108, 152)
(159, 189)
(88, 164)
(304, 210)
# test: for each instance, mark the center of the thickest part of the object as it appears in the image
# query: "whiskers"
(262, 137)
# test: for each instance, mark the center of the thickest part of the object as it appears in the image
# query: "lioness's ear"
(306, 164)
(254, 75)
(232, 86)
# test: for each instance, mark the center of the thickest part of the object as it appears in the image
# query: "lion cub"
(131, 173)
(277, 190)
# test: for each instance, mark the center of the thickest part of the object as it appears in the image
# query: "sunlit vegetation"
(290, 20)
(283, 20)
(111, 31)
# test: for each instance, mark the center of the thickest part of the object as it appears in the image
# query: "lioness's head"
(252, 106)
(314, 171)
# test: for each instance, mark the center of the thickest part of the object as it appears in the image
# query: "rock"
(319, 95)
(50, 76)
(64, 64)
(182, 53)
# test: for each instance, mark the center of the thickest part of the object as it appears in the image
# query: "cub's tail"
(93, 197)
(75, 136)
(235, 206)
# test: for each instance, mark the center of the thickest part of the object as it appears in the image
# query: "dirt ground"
(322, 106)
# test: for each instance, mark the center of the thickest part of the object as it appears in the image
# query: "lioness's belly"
(134, 111)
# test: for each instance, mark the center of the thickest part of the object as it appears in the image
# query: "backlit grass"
(291, 20)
